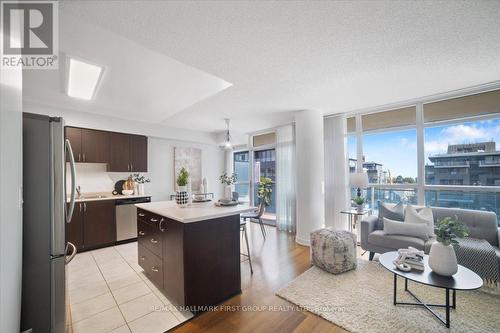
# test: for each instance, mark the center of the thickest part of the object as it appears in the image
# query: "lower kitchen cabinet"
(93, 224)
(74, 229)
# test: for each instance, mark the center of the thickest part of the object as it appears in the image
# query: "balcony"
(452, 164)
(489, 163)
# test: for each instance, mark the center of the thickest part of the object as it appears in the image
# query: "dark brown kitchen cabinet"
(122, 152)
(74, 135)
(119, 155)
(128, 153)
(138, 153)
(95, 146)
(93, 225)
(89, 146)
(193, 264)
(99, 224)
(74, 229)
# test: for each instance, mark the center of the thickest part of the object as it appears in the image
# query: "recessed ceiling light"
(83, 78)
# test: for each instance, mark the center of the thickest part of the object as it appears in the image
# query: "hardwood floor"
(276, 262)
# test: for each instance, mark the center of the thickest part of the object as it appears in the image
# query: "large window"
(351, 153)
(391, 157)
(464, 153)
(452, 143)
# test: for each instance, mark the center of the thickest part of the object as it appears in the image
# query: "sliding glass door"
(264, 165)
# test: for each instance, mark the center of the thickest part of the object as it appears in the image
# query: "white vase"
(360, 208)
(228, 192)
(181, 197)
(442, 259)
(140, 189)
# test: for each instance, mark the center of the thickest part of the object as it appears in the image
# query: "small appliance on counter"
(124, 187)
(119, 187)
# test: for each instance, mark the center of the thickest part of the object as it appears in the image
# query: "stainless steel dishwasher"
(126, 217)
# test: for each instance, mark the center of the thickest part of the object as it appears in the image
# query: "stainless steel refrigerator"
(45, 215)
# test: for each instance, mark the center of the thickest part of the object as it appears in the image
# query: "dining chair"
(257, 214)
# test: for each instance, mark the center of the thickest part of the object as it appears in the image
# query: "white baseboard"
(302, 241)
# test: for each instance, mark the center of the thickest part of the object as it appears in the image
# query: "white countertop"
(193, 213)
(105, 196)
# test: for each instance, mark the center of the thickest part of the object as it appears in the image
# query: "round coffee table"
(464, 279)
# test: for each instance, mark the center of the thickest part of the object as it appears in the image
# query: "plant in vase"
(140, 180)
(228, 181)
(442, 258)
(264, 190)
(360, 203)
(181, 196)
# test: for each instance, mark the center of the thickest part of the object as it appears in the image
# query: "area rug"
(361, 301)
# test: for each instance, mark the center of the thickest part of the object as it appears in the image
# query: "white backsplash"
(91, 177)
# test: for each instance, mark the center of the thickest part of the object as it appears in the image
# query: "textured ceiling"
(330, 56)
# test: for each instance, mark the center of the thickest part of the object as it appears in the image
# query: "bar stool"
(243, 229)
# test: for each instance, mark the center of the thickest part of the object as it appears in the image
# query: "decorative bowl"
(128, 192)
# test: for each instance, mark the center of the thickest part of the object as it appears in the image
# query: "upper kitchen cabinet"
(95, 146)
(138, 153)
(128, 153)
(90, 146)
(119, 154)
(123, 152)
(74, 135)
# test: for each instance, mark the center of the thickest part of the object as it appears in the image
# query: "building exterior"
(375, 171)
(465, 164)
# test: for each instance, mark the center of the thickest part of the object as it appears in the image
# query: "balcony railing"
(452, 164)
(489, 163)
(466, 197)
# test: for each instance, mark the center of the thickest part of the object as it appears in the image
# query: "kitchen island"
(191, 254)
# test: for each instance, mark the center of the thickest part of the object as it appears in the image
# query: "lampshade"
(358, 180)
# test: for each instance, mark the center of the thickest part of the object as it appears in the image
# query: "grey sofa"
(481, 225)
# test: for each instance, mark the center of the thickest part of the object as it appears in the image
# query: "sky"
(397, 150)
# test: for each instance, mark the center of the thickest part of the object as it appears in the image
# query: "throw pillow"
(418, 230)
(396, 213)
(424, 216)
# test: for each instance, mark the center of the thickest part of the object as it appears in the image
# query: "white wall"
(161, 167)
(11, 168)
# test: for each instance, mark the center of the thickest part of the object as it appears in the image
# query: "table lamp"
(358, 180)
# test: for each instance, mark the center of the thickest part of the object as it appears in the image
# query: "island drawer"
(149, 217)
(150, 237)
(152, 265)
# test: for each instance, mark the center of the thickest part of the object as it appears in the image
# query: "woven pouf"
(333, 250)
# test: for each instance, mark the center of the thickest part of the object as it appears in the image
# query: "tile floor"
(108, 292)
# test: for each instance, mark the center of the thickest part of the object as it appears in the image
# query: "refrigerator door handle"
(69, 213)
(67, 260)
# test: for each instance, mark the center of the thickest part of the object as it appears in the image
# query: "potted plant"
(442, 258)
(181, 196)
(140, 181)
(360, 203)
(228, 181)
(265, 189)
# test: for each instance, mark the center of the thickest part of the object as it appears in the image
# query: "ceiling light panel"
(83, 79)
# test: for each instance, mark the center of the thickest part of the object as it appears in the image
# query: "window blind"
(463, 107)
